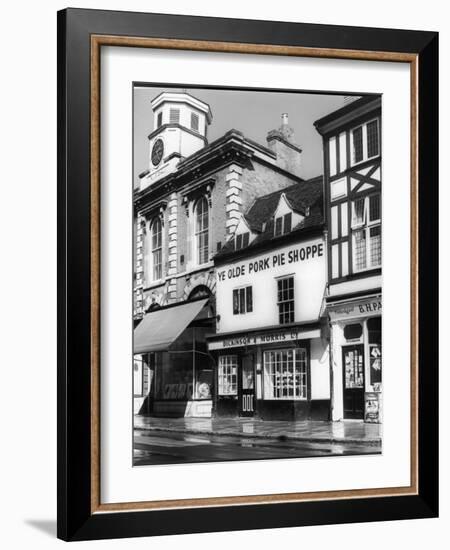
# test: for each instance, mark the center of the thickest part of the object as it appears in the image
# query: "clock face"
(157, 152)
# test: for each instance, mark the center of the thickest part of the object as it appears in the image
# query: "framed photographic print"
(247, 274)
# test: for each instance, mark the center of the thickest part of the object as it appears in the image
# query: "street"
(168, 447)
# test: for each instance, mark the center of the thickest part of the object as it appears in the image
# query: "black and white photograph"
(257, 274)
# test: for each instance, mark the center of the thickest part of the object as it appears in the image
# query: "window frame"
(270, 371)
(199, 232)
(365, 227)
(242, 292)
(241, 240)
(156, 251)
(283, 302)
(365, 151)
(233, 363)
(282, 224)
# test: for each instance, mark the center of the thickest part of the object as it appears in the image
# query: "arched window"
(202, 230)
(156, 244)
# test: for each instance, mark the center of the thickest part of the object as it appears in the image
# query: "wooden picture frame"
(81, 35)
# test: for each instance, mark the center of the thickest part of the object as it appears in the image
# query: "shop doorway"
(247, 393)
(353, 371)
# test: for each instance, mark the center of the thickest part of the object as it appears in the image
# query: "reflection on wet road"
(159, 447)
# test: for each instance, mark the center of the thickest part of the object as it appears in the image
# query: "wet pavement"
(307, 430)
(185, 440)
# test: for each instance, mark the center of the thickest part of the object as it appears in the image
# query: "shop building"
(187, 204)
(271, 342)
(352, 179)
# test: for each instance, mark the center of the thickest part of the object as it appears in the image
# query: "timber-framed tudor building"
(352, 179)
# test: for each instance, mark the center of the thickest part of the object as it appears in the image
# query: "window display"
(285, 374)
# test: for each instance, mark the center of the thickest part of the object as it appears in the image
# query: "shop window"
(285, 374)
(365, 141)
(242, 300)
(227, 382)
(156, 240)
(285, 300)
(375, 354)
(366, 232)
(283, 224)
(202, 230)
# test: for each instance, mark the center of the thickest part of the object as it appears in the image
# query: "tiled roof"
(304, 197)
(300, 196)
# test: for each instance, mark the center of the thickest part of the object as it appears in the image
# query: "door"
(247, 393)
(353, 362)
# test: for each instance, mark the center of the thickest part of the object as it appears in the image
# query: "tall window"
(366, 232)
(365, 141)
(156, 231)
(286, 300)
(202, 230)
(159, 121)
(283, 224)
(242, 300)
(285, 374)
(227, 375)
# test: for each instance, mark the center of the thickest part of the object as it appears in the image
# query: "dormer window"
(174, 116)
(242, 240)
(283, 224)
(194, 122)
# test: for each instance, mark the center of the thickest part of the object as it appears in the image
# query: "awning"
(160, 328)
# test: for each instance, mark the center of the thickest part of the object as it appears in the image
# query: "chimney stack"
(281, 142)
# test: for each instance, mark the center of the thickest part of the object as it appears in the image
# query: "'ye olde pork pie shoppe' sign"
(273, 261)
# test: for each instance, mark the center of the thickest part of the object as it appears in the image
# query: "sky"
(254, 113)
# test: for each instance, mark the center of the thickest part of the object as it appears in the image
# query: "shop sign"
(264, 338)
(298, 254)
(364, 308)
(372, 408)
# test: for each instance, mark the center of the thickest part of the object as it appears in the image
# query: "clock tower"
(180, 123)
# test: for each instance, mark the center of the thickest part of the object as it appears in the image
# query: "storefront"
(271, 346)
(275, 374)
(356, 354)
(172, 361)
